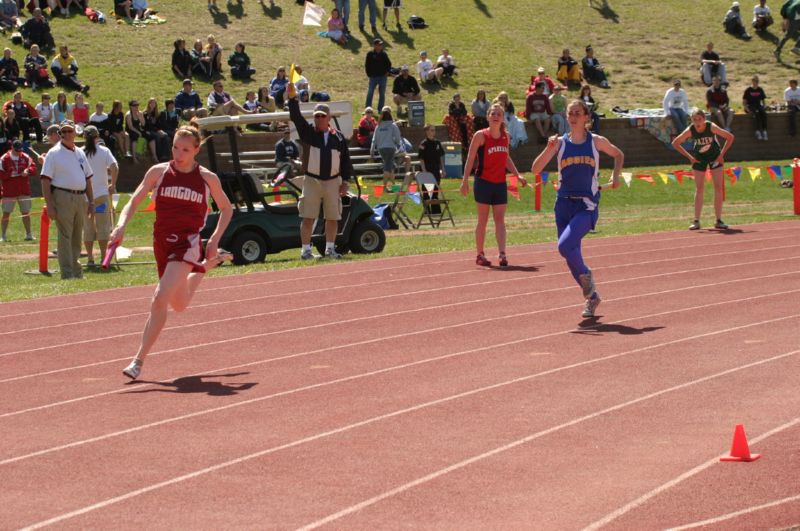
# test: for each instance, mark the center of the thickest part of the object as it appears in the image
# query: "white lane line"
(736, 514)
(414, 364)
(425, 479)
(545, 247)
(415, 276)
(679, 479)
(402, 312)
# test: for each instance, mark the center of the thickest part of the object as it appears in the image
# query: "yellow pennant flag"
(755, 173)
(361, 182)
(294, 77)
(664, 177)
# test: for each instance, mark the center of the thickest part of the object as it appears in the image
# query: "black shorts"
(490, 193)
(703, 164)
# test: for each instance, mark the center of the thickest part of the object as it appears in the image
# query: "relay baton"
(112, 248)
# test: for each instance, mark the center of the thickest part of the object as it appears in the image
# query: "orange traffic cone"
(740, 450)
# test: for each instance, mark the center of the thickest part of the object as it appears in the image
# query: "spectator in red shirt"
(549, 84)
(538, 111)
(16, 167)
(718, 104)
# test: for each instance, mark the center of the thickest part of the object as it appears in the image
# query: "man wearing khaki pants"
(66, 187)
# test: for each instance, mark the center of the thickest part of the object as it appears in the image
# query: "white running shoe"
(308, 254)
(695, 225)
(591, 306)
(133, 370)
(764, 135)
(331, 253)
(587, 284)
(758, 135)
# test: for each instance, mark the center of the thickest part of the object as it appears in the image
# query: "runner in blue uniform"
(578, 197)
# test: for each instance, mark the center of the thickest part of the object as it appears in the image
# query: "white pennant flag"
(114, 201)
(627, 178)
(313, 15)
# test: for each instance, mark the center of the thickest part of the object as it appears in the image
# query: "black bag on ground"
(415, 22)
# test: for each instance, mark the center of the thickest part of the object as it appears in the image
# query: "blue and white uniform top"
(578, 166)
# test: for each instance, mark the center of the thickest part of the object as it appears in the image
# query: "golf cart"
(266, 221)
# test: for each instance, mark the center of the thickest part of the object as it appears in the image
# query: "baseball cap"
(377, 41)
(368, 109)
(66, 124)
(404, 67)
(423, 52)
(91, 130)
(676, 82)
(187, 81)
(735, 4)
(17, 145)
(541, 70)
(320, 109)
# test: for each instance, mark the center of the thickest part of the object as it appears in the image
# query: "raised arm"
(545, 156)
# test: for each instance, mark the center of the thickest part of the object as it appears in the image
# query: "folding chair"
(431, 195)
(400, 198)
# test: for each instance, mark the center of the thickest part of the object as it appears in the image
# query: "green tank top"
(706, 148)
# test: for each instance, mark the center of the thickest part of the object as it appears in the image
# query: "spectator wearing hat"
(288, 151)
(568, 70)
(676, 105)
(377, 66)
(405, 88)
(66, 186)
(426, 70)
(366, 127)
(558, 104)
(593, 71)
(447, 63)
(187, 101)
(733, 22)
(104, 183)
(538, 111)
(762, 16)
(711, 65)
(16, 167)
(328, 170)
(549, 84)
(792, 98)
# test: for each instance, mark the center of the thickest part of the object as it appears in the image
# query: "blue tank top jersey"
(578, 165)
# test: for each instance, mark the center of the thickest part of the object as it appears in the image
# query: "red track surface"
(420, 392)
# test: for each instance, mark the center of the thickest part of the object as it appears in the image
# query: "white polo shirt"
(100, 163)
(66, 168)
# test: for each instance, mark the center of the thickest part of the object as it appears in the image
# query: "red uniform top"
(492, 158)
(181, 202)
(14, 183)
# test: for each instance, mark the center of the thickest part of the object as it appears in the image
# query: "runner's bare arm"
(145, 187)
(475, 143)
(610, 149)
(546, 155)
(225, 210)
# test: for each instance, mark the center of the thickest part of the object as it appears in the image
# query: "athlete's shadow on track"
(196, 384)
(526, 269)
(728, 232)
(593, 327)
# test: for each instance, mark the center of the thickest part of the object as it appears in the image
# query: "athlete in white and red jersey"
(180, 189)
(490, 147)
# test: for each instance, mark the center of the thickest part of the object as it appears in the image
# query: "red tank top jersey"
(492, 158)
(181, 202)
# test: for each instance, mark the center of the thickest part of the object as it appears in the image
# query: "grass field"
(643, 207)
(497, 44)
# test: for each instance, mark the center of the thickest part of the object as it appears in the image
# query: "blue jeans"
(680, 119)
(379, 82)
(344, 10)
(373, 12)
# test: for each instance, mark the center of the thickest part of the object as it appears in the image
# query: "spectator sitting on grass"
(762, 16)
(792, 98)
(711, 65)
(336, 31)
(426, 70)
(181, 60)
(446, 63)
(36, 72)
(538, 111)
(201, 61)
(141, 8)
(9, 71)
(36, 30)
(558, 104)
(733, 22)
(187, 101)
(593, 71)
(214, 52)
(405, 88)
(239, 62)
(122, 8)
(718, 104)
(65, 68)
(676, 106)
(568, 71)
(9, 14)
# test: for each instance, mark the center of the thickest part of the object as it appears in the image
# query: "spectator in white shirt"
(45, 111)
(447, 63)
(676, 105)
(98, 116)
(792, 97)
(426, 70)
(762, 16)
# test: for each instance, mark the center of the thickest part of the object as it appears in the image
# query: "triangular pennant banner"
(755, 173)
(412, 188)
(377, 190)
(365, 197)
(775, 171)
(737, 171)
(647, 178)
(513, 188)
(544, 175)
(414, 197)
(626, 176)
(114, 200)
(664, 177)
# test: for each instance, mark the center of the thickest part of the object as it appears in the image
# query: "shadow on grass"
(353, 44)
(768, 36)
(220, 19)
(593, 327)
(236, 9)
(483, 9)
(401, 37)
(273, 11)
(605, 10)
(196, 384)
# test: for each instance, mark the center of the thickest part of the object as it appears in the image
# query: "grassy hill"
(497, 44)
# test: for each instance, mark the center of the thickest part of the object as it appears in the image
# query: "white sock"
(306, 247)
(330, 246)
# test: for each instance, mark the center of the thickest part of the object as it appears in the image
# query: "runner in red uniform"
(490, 146)
(180, 189)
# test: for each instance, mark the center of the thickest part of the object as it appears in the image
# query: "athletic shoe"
(720, 225)
(133, 370)
(591, 306)
(758, 136)
(29, 238)
(3, 239)
(308, 254)
(503, 260)
(695, 225)
(331, 253)
(482, 261)
(587, 284)
(764, 134)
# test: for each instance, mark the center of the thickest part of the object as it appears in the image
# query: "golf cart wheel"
(249, 247)
(367, 237)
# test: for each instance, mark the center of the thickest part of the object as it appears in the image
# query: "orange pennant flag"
(647, 178)
(377, 190)
(513, 188)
